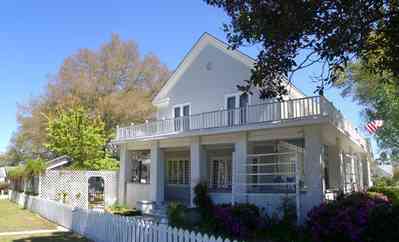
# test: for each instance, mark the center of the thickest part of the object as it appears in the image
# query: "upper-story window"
(182, 110)
(236, 100)
(236, 106)
(181, 114)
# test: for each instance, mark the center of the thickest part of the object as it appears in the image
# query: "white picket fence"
(56, 212)
(105, 227)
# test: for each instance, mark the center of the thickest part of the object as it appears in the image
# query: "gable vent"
(209, 66)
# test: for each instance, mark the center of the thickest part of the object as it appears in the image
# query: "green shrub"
(123, 210)
(31, 193)
(16, 176)
(391, 192)
(16, 173)
(202, 200)
(384, 182)
(34, 168)
(176, 212)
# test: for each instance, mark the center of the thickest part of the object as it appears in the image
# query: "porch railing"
(272, 112)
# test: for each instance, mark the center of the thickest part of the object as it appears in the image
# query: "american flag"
(373, 126)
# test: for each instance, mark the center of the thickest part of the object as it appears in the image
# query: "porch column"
(198, 166)
(334, 166)
(342, 172)
(123, 171)
(367, 172)
(353, 171)
(239, 179)
(314, 191)
(157, 175)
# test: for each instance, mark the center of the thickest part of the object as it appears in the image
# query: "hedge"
(391, 192)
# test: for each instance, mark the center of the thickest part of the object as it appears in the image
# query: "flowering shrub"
(239, 220)
(344, 220)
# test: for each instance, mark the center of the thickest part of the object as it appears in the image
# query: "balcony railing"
(273, 112)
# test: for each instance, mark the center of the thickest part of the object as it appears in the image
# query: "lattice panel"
(71, 187)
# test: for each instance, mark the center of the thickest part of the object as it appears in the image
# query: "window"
(177, 112)
(141, 165)
(220, 174)
(236, 105)
(181, 114)
(231, 105)
(349, 173)
(178, 172)
(244, 101)
(271, 168)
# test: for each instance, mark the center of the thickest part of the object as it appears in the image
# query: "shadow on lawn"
(54, 237)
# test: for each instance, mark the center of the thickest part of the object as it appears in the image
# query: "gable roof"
(204, 40)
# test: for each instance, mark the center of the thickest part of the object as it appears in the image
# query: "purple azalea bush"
(343, 220)
(240, 220)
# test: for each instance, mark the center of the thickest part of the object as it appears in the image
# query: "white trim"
(162, 103)
(57, 165)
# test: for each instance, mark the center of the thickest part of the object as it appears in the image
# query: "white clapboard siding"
(105, 227)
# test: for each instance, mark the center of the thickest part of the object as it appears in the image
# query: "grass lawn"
(54, 237)
(15, 219)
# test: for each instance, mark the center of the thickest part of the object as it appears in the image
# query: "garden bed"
(123, 211)
(356, 217)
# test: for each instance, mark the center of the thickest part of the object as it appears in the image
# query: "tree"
(379, 94)
(114, 82)
(73, 132)
(396, 174)
(330, 32)
(19, 149)
(34, 168)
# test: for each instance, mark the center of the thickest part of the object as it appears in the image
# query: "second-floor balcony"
(316, 108)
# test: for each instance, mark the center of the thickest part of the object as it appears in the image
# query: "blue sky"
(35, 37)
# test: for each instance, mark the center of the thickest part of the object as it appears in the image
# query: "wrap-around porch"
(260, 167)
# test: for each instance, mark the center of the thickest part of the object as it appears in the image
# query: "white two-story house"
(244, 148)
